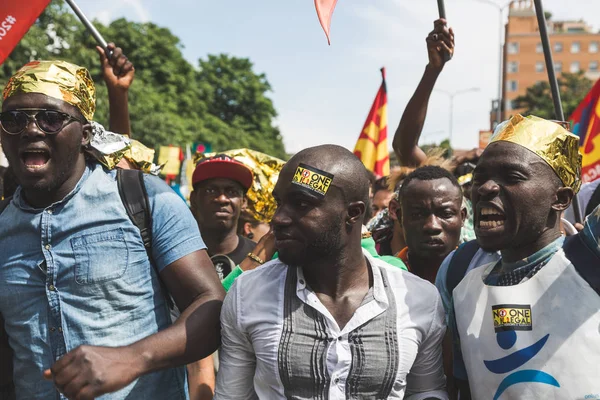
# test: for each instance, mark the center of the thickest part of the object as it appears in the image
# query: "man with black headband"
(80, 296)
(327, 320)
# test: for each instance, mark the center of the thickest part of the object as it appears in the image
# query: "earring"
(251, 236)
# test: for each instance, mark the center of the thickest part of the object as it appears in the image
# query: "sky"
(323, 93)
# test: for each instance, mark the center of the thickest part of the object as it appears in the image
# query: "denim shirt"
(77, 273)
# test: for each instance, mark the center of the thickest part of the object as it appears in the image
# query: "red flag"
(15, 20)
(586, 125)
(372, 144)
(325, 11)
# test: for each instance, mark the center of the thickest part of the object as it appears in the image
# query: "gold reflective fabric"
(58, 79)
(558, 147)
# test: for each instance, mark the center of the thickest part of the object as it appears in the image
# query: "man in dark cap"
(220, 185)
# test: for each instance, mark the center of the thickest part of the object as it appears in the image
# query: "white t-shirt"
(279, 341)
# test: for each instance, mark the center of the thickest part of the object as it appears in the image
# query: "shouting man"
(528, 324)
(327, 320)
(80, 295)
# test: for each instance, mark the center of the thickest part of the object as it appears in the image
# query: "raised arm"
(440, 42)
(118, 73)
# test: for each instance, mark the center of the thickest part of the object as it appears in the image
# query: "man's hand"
(118, 72)
(89, 371)
(265, 250)
(440, 44)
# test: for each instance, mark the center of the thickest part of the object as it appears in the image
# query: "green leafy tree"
(171, 101)
(538, 98)
(237, 96)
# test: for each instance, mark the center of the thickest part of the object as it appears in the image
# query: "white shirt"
(279, 341)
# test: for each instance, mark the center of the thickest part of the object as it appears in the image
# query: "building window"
(513, 86)
(508, 105)
(513, 48)
(593, 66)
(539, 66)
(575, 47)
(558, 47)
(558, 66)
(593, 47)
(513, 67)
(574, 67)
(539, 48)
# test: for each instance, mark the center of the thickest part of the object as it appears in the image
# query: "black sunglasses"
(48, 121)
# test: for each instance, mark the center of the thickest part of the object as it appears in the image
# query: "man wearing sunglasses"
(81, 302)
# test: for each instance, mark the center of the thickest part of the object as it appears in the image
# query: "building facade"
(575, 47)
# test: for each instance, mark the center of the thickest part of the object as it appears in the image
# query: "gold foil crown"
(550, 141)
(58, 79)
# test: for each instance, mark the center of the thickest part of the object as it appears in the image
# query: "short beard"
(326, 245)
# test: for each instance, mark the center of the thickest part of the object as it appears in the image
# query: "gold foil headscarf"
(58, 79)
(550, 141)
(265, 168)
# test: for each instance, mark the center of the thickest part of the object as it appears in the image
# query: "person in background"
(250, 227)
(432, 214)
(219, 185)
(381, 196)
(327, 320)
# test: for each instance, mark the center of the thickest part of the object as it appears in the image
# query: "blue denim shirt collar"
(21, 203)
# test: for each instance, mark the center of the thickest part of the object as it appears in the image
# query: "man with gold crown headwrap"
(80, 297)
(526, 326)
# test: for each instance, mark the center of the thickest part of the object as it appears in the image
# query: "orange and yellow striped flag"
(372, 144)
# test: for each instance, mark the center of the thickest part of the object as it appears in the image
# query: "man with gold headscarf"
(80, 298)
(527, 324)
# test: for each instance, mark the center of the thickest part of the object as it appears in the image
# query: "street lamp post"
(500, 58)
(451, 96)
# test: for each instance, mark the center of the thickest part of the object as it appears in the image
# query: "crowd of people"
(451, 278)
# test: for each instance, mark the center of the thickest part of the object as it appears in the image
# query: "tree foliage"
(538, 98)
(222, 102)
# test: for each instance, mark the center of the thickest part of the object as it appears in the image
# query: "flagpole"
(558, 110)
(90, 27)
(442, 13)
(441, 8)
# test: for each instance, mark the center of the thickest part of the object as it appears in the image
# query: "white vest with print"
(536, 340)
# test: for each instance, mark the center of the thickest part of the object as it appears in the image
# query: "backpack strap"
(4, 203)
(460, 263)
(135, 199)
(584, 259)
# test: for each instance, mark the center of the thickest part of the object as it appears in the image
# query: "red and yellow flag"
(586, 124)
(372, 144)
(15, 20)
